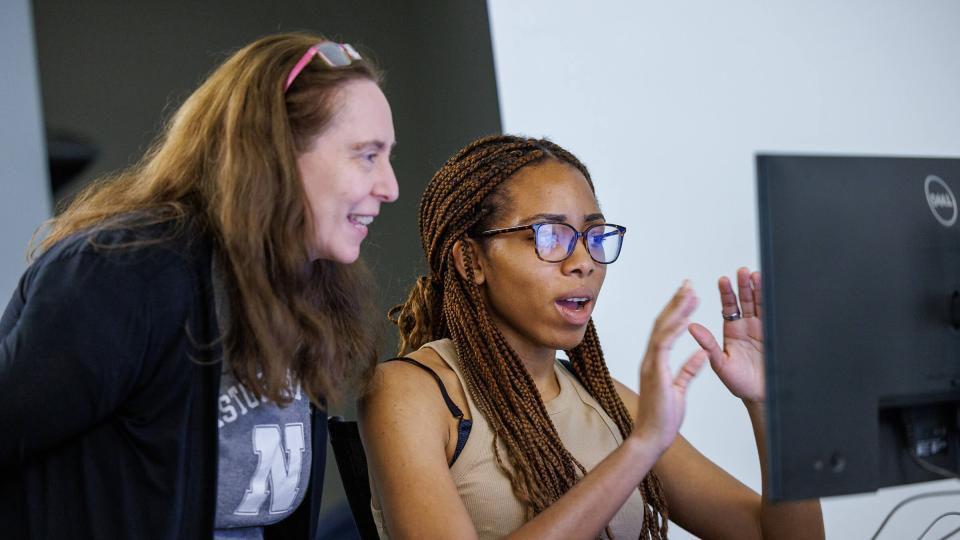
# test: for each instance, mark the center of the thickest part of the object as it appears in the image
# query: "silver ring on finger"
(735, 316)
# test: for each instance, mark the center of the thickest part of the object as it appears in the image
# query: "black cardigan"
(109, 379)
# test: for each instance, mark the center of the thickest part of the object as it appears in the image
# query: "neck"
(539, 362)
(541, 369)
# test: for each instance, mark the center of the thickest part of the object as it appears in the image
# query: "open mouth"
(575, 310)
(359, 220)
(574, 303)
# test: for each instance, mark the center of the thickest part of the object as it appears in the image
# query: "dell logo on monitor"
(941, 200)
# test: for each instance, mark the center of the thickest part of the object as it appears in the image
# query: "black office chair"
(352, 463)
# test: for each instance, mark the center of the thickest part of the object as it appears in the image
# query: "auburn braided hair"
(463, 198)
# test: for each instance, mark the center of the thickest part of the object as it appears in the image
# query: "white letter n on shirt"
(277, 466)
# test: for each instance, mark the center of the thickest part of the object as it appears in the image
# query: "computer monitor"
(861, 308)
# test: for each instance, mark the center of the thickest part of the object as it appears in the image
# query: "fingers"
(673, 318)
(709, 344)
(745, 290)
(757, 297)
(728, 299)
(689, 370)
(748, 289)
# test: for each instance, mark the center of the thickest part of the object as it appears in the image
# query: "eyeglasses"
(555, 242)
(333, 54)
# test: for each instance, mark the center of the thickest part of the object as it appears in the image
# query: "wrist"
(646, 445)
(754, 406)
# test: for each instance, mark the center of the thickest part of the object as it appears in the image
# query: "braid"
(464, 197)
(591, 369)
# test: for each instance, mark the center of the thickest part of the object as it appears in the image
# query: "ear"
(461, 263)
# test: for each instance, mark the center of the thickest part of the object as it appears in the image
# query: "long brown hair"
(226, 164)
(464, 197)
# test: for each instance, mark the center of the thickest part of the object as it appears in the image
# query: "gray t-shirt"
(264, 461)
(265, 454)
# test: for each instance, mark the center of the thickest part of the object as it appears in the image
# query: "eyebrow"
(557, 218)
(373, 145)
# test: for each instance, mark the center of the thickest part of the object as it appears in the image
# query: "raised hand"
(662, 397)
(739, 362)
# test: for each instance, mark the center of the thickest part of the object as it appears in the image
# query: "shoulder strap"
(454, 410)
(463, 425)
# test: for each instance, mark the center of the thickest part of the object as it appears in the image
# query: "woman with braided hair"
(515, 444)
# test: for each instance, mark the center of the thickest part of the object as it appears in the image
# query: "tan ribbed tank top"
(586, 430)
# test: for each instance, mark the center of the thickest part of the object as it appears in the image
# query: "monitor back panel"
(861, 285)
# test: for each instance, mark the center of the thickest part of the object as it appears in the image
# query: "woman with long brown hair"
(166, 358)
(515, 443)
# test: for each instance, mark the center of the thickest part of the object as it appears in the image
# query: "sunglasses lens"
(554, 241)
(333, 54)
(604, 243)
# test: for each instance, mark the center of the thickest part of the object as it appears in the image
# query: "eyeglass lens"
(556, 241)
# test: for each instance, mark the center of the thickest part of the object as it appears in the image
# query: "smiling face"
(346, 171)
(541, 306)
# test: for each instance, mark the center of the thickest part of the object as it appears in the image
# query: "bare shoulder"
(412, 388)
(398, 392)
(396, 381)
(628, 397)
(405, 427)
(401, 375)
(431, 358)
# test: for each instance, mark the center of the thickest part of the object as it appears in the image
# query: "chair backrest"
(352, 463)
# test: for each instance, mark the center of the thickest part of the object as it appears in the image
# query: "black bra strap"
(463, 425)
(454, 410)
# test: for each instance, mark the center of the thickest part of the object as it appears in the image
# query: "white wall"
(24, 188)
(668, 102)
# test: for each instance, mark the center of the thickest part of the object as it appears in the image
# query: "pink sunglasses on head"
(332, 53)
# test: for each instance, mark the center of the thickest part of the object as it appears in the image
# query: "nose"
(579, 262)
(386, 188)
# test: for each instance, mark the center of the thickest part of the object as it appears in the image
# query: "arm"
(408, 459)
(701, 497)
(739, 365)
(403, 425)
(73, 353)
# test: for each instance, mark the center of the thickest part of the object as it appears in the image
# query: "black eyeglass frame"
(577, 235)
